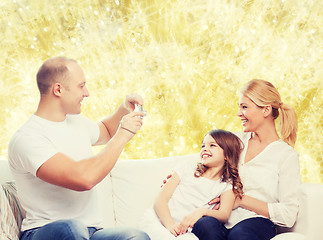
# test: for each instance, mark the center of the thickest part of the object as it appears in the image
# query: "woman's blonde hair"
(264, 93)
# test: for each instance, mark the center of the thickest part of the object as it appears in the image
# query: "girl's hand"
(191, 219)
(175, 229)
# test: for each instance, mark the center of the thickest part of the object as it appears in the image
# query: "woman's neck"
(266, 134)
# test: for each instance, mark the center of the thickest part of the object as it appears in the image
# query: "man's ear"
(57, 89)
(267, 110)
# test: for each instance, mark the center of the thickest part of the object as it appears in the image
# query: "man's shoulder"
(27, 134)
(73, 119)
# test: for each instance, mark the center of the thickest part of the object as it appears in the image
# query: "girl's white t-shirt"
(193, 192)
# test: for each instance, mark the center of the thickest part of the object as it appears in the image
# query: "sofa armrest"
(310, 215)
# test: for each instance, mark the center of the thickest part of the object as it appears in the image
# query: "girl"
(269, 169)
(184, 198)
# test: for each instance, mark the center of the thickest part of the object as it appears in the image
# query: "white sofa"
(132, 186)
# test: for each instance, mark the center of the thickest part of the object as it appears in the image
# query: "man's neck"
(49, 112)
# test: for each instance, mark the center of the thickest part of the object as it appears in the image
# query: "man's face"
(74, 90)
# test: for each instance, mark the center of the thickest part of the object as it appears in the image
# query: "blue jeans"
(75, 230)
(258, 228)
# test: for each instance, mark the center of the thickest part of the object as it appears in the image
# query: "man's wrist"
(127, 129)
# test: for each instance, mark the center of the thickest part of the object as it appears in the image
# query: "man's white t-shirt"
(32, 145)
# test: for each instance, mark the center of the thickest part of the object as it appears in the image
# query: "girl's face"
(250, 114)
(211, 154)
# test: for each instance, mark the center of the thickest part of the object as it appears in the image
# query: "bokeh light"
(187, 58)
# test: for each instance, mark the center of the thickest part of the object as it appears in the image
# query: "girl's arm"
(161, 204)
(223, 214)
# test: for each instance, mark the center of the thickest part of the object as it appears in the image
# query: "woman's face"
(250, 114)
(211, 154)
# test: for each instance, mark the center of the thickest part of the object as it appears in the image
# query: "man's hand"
(130, 123)
(191, 219)
(131, 100)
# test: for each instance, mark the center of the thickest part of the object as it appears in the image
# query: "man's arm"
(63, 171)
(109, 125)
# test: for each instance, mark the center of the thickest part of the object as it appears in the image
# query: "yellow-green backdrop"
(187, 58)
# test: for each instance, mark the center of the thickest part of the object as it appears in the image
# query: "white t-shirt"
(193, 192)
(273, 176)
(32, 145)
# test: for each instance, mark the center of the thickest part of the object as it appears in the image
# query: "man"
(51, 157)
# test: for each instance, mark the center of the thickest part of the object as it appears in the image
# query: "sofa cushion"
(9, 228)
(10, 190)
(104, 189)
(136, 184)
(289, 236)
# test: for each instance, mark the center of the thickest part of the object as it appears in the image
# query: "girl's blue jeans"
(258, 228)
(75, 230)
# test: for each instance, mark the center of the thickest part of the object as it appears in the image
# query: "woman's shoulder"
(282, 147)
(244, 136)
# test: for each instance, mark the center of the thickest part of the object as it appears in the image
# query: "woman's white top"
(273, 176)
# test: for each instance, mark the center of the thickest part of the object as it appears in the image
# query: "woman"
(269, 170)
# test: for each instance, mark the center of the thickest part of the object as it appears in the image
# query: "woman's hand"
(236, 203)
(215, 201)
(191, 219)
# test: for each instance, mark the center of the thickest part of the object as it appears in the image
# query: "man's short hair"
(52, 71)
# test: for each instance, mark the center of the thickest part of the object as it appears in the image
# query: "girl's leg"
(257, 228)
(151, 224)
(187, 236)
(63, 230)
(120, 233)
(209, 228)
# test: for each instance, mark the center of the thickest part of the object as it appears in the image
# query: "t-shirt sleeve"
(30, 152)
(93, 128)
(183, 167)
(228, 187)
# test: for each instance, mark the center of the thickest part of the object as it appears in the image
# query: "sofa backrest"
(5, 173)
(136, 183)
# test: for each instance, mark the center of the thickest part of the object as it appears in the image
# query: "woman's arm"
(161, 204)
(252, 204)
(283, 212)
(223, 214)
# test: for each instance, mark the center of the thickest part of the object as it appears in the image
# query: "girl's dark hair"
(232, 147)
